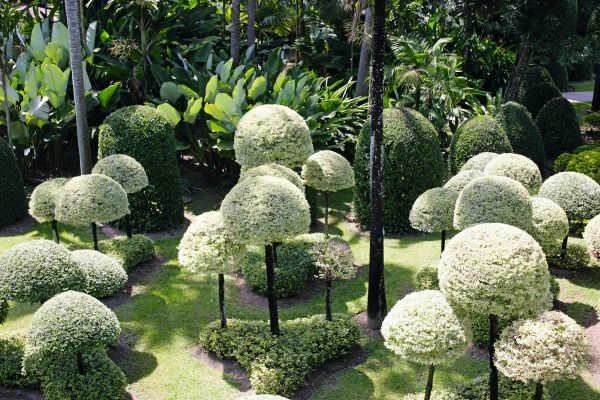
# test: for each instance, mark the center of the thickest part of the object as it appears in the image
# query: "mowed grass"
(166, 313)
(585, 86)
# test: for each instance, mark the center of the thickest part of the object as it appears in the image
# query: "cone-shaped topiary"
(459, 181)
(538, 95)
(559, 126)
(550, 223)
(479, 161)
(276, 170)
(533, 75)
(104, 275)
(517, 167)
(412, 164)
(592, 236)
(577, 194)
(125, 170)
(13, 203)
(328, 171)
(43, 199)
(272, 134)
(477, 135)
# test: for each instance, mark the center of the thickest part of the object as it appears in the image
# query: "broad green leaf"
(38, 45)
(38, 109)
(57, 53)
(106, 95)
(20, 133)
(237, 72)
(170, 112)
(249, 73)
(279, 82)
(31, 82)
(239, 93)
(215, 111)
(226, 70)
(211, 89)
(226, 103)
(193, 109)
(60, 34)
(224, 145)
(187, 92)
(216, 127)
(13, 95)
(56, 83)
(170, 92)
(258, 88)
(90, 38)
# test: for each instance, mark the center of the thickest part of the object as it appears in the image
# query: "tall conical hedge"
(13, 203)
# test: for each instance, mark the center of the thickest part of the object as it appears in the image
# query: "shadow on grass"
(584, 314)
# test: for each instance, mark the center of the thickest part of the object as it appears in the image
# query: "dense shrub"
(427, 278)
(12, 350)
(562, 161)
(433, 211)
(104, 275)
(578, 257)
(575, 193)
(328, 171)
(538, 95)
(125, 170)
(131, 252)
(477, 135)
(13, 203)
(592, 236)
(479, 162)
(582, 69)
(459, 181)
(43, 199)
(591, 123)
(147, 135)
(559, 73)
(559, 126)
(4, 307)
(533, 75)
(517, 167)
(276, 170)
(587, 162)
(550, 223)
(479, 389)
(412, 164)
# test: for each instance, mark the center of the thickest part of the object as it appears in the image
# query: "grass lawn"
(585, 86)
(164, 317)
(582, 109)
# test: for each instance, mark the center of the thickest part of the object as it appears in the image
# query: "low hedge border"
(131, 252)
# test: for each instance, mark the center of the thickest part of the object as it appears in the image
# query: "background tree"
(234, 31)
(9, 21)
(362, 83)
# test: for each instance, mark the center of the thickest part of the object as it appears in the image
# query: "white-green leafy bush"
(495, 269)
(207, 247)
(104, 275)
(43, 199)
(91, 198)
(550, 223)
(577, 194)
(459, 181)
(272, 134)
(264, 397)
(125, 170)
(493, 199)
(276, 170)
(517, 167)
(592, 236)
(37, 270)
(327, 171)
(264, 210)
(547, 348)
(433, 211)
(334, 260)
(423, 328)
(479, 162)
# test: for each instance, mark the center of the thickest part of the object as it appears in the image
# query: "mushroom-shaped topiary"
(262, 211)
(550, 223)
(88, 199)
(43, 203)
(104, 275)
(592, 236)
(517, 167)
(493, 199)
(35, 271)
(433, 211)
(459, 181)
(479, 161)
(498, 270)
(423, 328)
(272, 134)
(276, 170)
(207, 247)
(559, 126)
(547, 348)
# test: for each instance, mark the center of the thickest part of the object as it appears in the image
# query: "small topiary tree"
(559, 126)
(272, 134)
(550, 223)
(538, 95)
(433, 211)
(493, 199)
(104, 275)
(262, 211)
(88, 199)
(276, 170)
(517, 167)
(127, 172)
(479, 161)
(477, 135)
(207, 247)
(423, 328)
(498, 270)
(13, 202)
(327, 172)
(459, 181)
(43, 203)
(550, 347)
(592, 236)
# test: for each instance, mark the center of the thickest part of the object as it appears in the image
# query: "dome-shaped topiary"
(538, 95)
(479, 161)
(272, 134)
(37, 270)
(328, 171)
(550, 223)
(43, 199)
(412, 164)
(533, 75)
(522, 132)
(592, 236)
(577, 194)
(125, 170)
(477, 135)
(459, 181)
(559, 126)
(433, 211)
(13, 202)
(517, 167)
(493, 199)
(276, 170)
(146, 134)
(104, 275)
(91, 198)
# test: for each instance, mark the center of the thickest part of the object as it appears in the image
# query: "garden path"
(578, 97)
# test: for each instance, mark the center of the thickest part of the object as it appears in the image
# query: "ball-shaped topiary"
(538, 95)
(577, 194)
(592, 236)
(328, 171)
(459, 181)
(479, 161)
(587, 162)
(493, 199)
(495, 269)
(265, 210)
(423, 328)
(412, 164)
(433, 211)
(477, 135)
(125, 170)
(522, 132)
(517, 167)
(550, 223)
(13, 202)
(272, 134)
(91, 198)
(146, 134)
(104, 275)
(37, 270)
(43, 199)
(559, 126)
(276, 170)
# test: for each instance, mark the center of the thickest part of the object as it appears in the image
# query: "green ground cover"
(585, 86)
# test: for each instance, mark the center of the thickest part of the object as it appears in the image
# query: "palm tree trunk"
(235, 31)
(362, 87)
(251, 27)
(525, 55)
(6, 109)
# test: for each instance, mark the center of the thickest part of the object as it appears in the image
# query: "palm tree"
(235, 31)
(251, 27)
(362, 87)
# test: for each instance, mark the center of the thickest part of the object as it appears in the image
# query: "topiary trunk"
(55, 235)
(128, 226)
(443, 241)
(271, 295)
(222, 300)
(95, 235)
(328, 315)
(326, 214)
(493, 370)
(429, 387)
(564, 248)
(539, 391)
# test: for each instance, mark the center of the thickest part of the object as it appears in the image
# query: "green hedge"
(13, 202)
(586, 162)
(131, 252)
(559, 126)
(478, 389)
(12, 349)
(577, 257)
(538, 95)
(562, 161)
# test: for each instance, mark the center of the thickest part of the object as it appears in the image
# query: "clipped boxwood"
(559, 73)
(131, 252)
(146, 134)
(413, 163)
(559, 126)
(538, 95)
(13, 203)
(587, 163)
(104, 275)
(533, 75)
(562, 161)
(12, 350)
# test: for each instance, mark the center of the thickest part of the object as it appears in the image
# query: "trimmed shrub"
(479, 161)
(427, 278)
(592, 236)
(550, 223)
(146, 134)
(12, 350)
(561, 163)
(479, 389)
(575, 193)
(125, 170)
(517, 167)
(578, 257)
(559, 126)
(477, 135)
(591, 123)
(104, 275)
(328, 171)
(43, 199)
(412, 164)
(131, 252)
(433, 211)
(522, 132)
(533, 75)
(538, 95)
(13, 202)
(459, 181)
(559, 73)
(586, 162)
(276, 170)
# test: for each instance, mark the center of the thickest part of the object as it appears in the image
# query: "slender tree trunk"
(429, 387)
(443, 241)
(6, 108)
(377, 305)
(235, 31)
(514, 81)
(144, 45)
(564, 247)
(493, 370)
(271, 295)
(83, 134)
(222, 300)
(55, 235)
(326, 214)
(128, 226)
(539, 391)
(596, 98)
(95, 235)
(328, 315)
(362, 86)
(251, 27)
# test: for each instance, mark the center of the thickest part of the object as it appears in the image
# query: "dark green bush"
(13, 203)
(4, 307)
(559, 73)
(538, 95)
(146, 134)
(559, 126)
(413, 163)
(577, 257)
(587, 162)
(427, 279)
(582, 69)
(478, 389)
(132, 252)
(312, 196)
(535, 74)
(12, 349)
(281, 364)
(522, 132)
(591, 123)
(480, 329)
